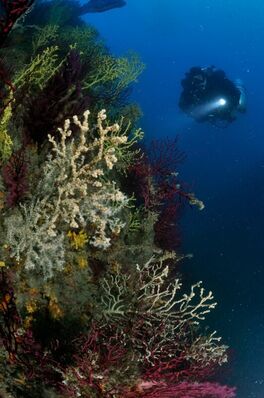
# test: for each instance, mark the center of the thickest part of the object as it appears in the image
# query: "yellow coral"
(45, 36)
(2, 200)
(81, 37)
(40, 70)
(33, 291)
(115, 267)
(78, 240)
(129, 68)
(54, 308)
(21, 379)
(7, 298)
(68, 269)
(82, 262)
(6, 143)
(28, 321)
(31, 307)
(123, 70)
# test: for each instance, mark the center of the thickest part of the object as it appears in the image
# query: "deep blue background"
(224, 167)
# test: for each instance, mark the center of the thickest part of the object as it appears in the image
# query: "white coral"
(73, 193)
(153, 302)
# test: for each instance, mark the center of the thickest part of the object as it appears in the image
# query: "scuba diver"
(208, 95)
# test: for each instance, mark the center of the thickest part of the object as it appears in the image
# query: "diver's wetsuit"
(204, 85)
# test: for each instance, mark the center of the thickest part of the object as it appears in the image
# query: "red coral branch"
(20, 345)
(183, 390)
(10, 317)
(15, 174)
(12, 10)
(164, 156)
(98, 354)
(158, 167)
(177, 369)
(157, 186)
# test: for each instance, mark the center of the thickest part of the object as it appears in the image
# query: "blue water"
(224, 167)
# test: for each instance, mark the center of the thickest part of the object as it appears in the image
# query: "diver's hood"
(242, 106)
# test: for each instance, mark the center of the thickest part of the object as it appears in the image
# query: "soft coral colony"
(89, 307)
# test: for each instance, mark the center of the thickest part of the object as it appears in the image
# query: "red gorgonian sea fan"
(10, 12)
(183, 390)
(157, 166)
(15, 177)
(155, 184)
